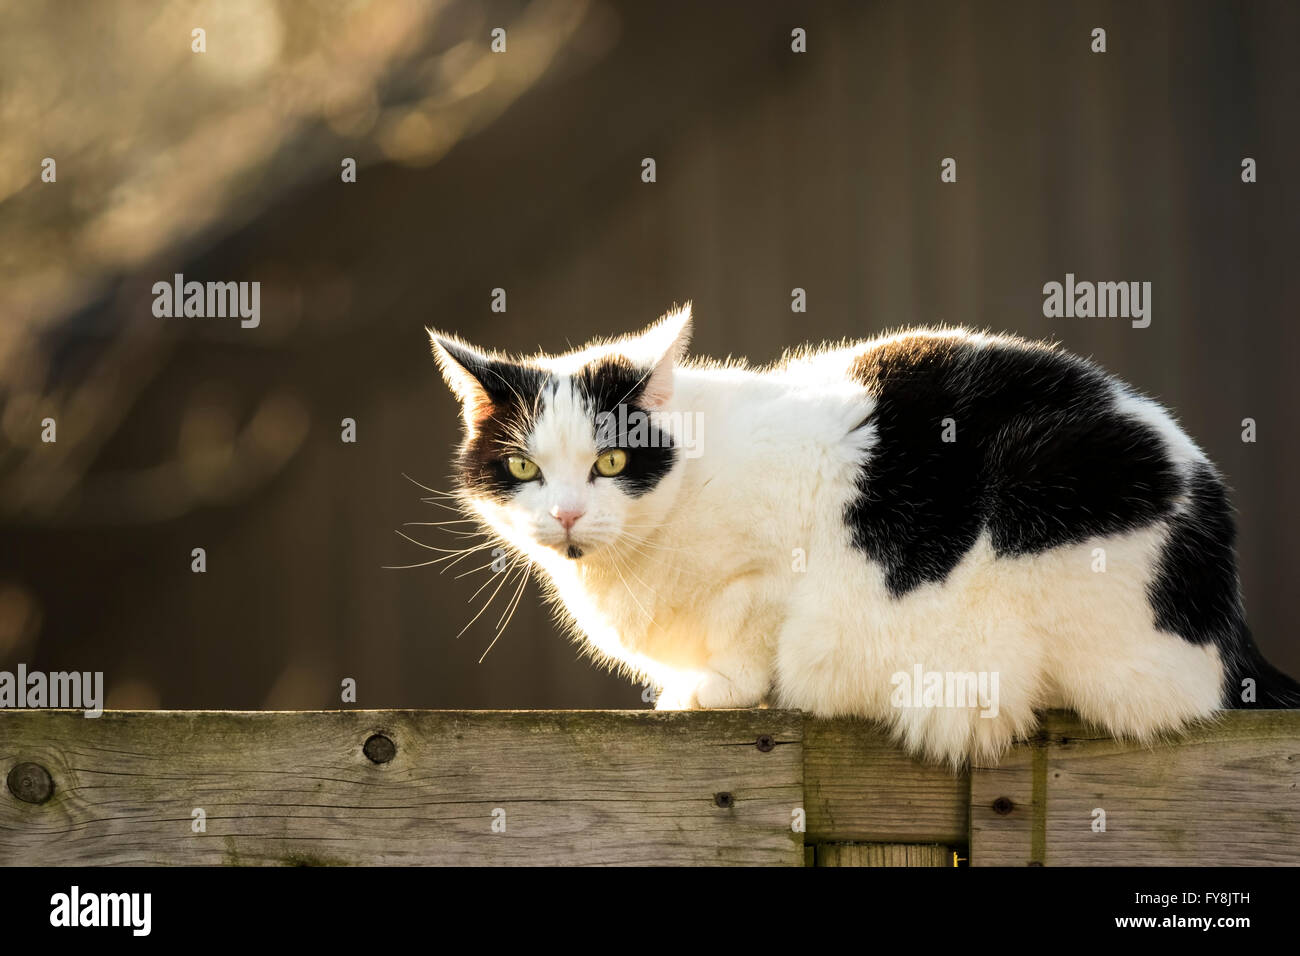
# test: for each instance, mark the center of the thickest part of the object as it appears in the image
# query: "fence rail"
(743, 787)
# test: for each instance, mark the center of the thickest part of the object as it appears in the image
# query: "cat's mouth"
(570, 548)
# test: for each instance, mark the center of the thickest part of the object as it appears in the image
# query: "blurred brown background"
(522, 171)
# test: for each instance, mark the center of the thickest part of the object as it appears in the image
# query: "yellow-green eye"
(610, 463)
(524, 469)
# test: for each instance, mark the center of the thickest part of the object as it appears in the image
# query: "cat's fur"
(933, 500)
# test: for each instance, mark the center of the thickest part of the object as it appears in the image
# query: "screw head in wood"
(1002, 806)
(379, 749)
(724, 800)
(765, 743)
(30, 783)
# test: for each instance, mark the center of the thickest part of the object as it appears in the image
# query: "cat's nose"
(567, 517)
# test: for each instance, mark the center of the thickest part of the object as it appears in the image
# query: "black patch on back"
(614, 387)
(1040, 458)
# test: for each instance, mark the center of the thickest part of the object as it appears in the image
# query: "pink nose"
(567, 517)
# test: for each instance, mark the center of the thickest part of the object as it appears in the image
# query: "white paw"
(682, 698)
(719, 691)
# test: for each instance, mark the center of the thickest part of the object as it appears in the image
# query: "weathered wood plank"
(861, 787)
(884, 854)
(630, 788)
(1225, 793)
(585, 787)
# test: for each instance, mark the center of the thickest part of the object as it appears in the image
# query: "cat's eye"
(610, 463)
(525, 469)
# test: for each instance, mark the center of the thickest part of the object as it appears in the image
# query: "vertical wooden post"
(884, 854)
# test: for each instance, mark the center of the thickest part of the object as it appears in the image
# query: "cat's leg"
(978, 692)
(1107, 659)
(1139, 682)
(954, 672)
(739, 632)
(735, 633)
(964, 677)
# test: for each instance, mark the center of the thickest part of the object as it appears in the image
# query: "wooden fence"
(747, 787)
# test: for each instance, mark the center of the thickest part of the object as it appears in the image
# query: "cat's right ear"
(661, 347)
(464, 368)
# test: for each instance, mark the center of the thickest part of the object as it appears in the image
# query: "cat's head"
(568, 454)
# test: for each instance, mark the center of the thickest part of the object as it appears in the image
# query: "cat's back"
(934, 437)
(972, 370)
(1036, 448)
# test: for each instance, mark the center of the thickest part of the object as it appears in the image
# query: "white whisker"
(433, 491)
(523, 581)
(631, 594)
(486, 604)
(439, 504)
(481, 567)
(429, 547)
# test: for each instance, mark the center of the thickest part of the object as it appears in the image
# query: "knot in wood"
(379, 749)
(30, 783)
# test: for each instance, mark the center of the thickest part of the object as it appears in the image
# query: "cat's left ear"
(661, 347)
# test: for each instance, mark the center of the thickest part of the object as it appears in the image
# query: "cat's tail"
(1271, 689)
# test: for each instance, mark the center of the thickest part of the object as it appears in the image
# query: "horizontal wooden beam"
(403, 787)
(755, 787)
(1225, 793)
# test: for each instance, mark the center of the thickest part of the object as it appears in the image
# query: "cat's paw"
(717, 690)
(682, 698)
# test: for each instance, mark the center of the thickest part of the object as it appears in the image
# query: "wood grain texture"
(290, 788)
(630, 787)
(859, 786)
(884, 854)
(1226, 793)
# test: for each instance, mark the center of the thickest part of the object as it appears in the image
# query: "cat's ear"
(468, 373)
(660, 348)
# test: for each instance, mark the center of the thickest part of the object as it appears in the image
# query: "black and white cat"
(816, 532)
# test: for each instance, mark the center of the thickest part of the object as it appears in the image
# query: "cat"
(931, 502)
